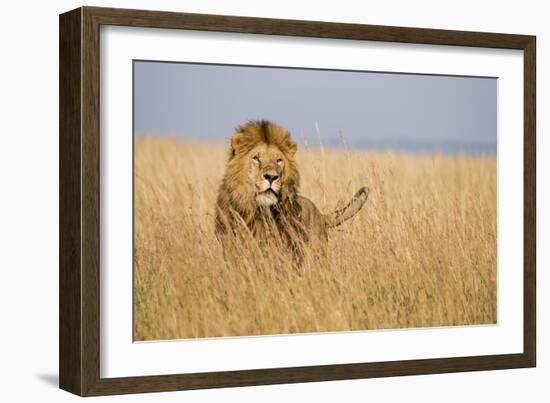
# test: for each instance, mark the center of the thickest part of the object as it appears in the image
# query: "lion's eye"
(280, 161)
(256, 159)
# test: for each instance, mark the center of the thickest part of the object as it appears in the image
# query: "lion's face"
(266, 173)
(261, 171)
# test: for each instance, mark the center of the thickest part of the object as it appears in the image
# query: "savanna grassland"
(421, 252)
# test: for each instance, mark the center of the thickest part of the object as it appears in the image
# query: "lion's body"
(258, 197)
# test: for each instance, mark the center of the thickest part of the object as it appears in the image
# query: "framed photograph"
(248, 201)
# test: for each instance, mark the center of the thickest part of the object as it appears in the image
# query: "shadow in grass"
(50, 379)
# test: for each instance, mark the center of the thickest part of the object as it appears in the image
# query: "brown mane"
(234, 194)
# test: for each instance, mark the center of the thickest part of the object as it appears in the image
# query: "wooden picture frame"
(79, 279)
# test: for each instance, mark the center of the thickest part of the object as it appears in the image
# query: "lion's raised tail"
(339, 216)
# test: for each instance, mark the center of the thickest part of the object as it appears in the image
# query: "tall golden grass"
(421, 252)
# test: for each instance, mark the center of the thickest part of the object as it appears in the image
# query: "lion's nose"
(271, 178)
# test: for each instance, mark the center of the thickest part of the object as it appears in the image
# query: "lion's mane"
(235, 197)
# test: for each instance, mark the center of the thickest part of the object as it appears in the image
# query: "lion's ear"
(237, 141)
(292, 146)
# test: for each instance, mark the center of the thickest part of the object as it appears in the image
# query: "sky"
(370, 110)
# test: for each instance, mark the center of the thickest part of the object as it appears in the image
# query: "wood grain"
(70, 271)
(529, 203)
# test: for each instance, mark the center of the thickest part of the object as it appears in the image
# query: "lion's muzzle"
(268, 190)
(267, 198)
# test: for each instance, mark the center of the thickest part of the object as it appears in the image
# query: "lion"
(258, 196)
